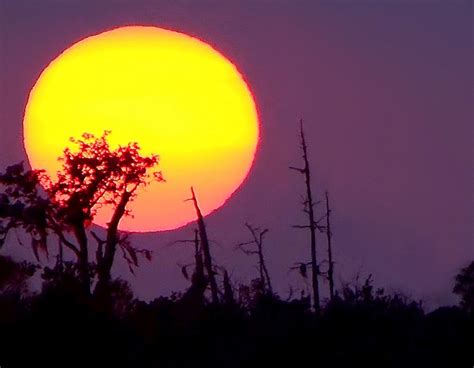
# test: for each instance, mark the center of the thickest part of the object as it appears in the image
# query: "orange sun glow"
(173, 94)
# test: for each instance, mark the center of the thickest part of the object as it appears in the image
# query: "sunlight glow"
(173, 94)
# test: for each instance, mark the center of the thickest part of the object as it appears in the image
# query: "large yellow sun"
(173, 94)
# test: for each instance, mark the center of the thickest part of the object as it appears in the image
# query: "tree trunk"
(83, 257)
(312, 225)
(107, 259)
(206, 250)
(258, 240)
(199, 281)
(329, 238)
(265, 270)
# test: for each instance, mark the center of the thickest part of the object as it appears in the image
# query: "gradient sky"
(385, 88)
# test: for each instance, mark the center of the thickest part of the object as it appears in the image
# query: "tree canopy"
(93, 175)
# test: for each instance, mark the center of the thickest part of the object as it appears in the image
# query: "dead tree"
(206, 250)
(329, 241)
(257, 240)
(199, 264)
(228, 290)
(199, 281)
(313, 224)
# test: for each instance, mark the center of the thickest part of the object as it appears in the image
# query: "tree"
(464, 287)
(313, 224)
(204, 241)
(257, 240)
(329, 243)
(92, 175)
(14, 275)
(199, 281)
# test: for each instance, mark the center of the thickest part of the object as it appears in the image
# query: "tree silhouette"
(464, 287)
(313, 223)
(257, 241)
(14, 275)
(92, 176)
(199, 281)
(204, 241)
(329, 234)
(64, 324)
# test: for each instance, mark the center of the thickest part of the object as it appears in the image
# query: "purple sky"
(385, 88)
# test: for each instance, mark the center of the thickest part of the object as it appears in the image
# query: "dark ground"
(361, 327)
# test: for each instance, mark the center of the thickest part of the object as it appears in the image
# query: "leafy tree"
(92, 175)
(14, 275)
(464, 287)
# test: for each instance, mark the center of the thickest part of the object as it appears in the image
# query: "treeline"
(361, 326)
(84, 317)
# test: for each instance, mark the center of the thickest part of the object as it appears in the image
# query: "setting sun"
(173, 94)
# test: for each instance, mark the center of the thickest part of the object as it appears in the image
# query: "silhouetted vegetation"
(313, 224)
(206, 250)
(464, 287)
(329, 244)
(257, 242)
(214, 323)
(92, 176)
(362, 326)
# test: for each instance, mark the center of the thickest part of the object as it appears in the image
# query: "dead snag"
(329, 241)
(313, 224)
(206, 249)
(257, 240)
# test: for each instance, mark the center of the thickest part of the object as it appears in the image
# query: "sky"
(385, 91)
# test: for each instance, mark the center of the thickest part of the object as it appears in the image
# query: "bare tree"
(313, 223)
(257, 240)
(329, 242)
(199, 281)
(228, 289)
(206, 249)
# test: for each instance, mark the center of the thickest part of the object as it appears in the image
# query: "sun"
(173, 94)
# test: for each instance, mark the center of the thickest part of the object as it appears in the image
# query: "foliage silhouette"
(464, 287)
(92, 175)
(14, 275)
(362, 326)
